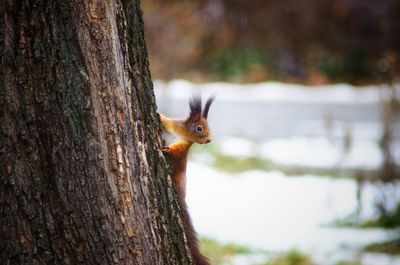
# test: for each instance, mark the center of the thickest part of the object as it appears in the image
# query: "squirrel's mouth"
(206, 141)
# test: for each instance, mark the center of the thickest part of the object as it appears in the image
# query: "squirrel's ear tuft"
(210, 100)
(195, 108)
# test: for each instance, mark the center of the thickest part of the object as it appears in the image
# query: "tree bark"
(82, 176)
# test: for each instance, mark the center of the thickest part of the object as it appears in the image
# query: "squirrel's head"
(196, 123)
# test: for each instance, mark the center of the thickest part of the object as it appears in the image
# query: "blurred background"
(304, 164)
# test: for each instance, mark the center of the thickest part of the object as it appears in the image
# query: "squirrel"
(193, 129)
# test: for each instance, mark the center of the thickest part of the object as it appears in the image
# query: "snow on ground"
(319, 152)
(272, 91)
(236, 146)
(302, 151)
(271, 211)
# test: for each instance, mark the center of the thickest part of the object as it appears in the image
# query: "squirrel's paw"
(166, 150)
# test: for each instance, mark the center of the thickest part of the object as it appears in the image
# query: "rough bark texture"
(82, 176)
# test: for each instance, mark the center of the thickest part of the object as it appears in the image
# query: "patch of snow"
(363, 154)
(320, 152)
(235, 146)
(302, 151)
(375, 258)
(271, 211)
(273, 91)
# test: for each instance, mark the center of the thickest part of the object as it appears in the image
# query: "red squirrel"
(193, 129)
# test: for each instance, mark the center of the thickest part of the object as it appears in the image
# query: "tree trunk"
(82, 176)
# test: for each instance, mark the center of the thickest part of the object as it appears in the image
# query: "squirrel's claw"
(166, 150)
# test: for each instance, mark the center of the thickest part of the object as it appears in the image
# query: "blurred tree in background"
(309, 41)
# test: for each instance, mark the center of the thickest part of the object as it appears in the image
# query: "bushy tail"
(192, 236)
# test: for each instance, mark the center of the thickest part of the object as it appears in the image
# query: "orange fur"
(177, 156)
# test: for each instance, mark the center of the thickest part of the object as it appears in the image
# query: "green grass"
(222, 254)
(233, 63)
(293, 257)
(219, 253)
(388, 247)
(389, 220)
(349, 262)
(239, 164)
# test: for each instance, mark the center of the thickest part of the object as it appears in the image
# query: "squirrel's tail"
(199, 259)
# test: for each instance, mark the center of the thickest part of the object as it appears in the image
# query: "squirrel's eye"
(199, 128)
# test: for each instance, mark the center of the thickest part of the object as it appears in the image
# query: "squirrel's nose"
(208, 140)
